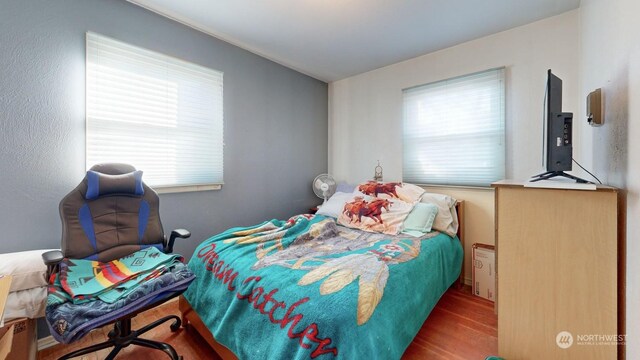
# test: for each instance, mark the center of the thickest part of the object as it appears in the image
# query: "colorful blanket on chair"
(308, 288)
(69, 322)
(80, 281)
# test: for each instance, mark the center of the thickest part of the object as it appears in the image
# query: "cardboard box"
(484, 279)
(17, 337)
(5, 285)
(5, 340)
(24, 345)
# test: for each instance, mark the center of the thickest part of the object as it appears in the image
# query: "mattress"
(25, 303)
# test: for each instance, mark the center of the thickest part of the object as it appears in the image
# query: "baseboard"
(46, 342)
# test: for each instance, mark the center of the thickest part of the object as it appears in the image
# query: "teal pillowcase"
(420, 219)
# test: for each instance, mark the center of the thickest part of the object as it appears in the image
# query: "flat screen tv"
(558, 127)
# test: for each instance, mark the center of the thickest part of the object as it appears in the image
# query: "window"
(160, 114)
(454, 131)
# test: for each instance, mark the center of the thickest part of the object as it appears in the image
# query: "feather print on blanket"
(372, 274)
(315, 251)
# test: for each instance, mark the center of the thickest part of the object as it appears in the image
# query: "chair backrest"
(110, 214)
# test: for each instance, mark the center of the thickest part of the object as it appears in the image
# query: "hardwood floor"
(461, 326)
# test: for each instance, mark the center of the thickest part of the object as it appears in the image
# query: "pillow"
(99, 184)
(420, 219)
(26, 303)
(345, 188)
(446, 220)
(375, 214)
(394, 190)
(26, 267)
(334, 205)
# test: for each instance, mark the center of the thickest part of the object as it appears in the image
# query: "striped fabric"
(85, 280)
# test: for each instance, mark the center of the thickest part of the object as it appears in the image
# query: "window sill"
(186, 188)
(464, 187)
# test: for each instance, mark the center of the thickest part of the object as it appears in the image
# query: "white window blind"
(454, 131)
(160, 114)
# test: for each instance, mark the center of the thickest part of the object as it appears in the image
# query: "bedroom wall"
(275, 121)
(611, 60)
(365, 111)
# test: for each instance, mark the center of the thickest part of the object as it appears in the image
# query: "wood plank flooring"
(461, 326)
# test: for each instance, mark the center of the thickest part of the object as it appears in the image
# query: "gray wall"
(275, 121)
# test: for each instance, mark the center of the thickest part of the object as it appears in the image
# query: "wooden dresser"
(557, 270)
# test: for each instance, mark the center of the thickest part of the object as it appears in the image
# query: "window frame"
(502, 137)
(163, 188)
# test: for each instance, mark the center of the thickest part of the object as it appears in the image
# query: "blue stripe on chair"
(86, 221)
(93, 185)
(143, 219)
(138, 176)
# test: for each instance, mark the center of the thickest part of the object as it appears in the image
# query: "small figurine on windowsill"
(378, 172)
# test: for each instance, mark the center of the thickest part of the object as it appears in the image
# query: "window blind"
(454, 131)
(161, 114)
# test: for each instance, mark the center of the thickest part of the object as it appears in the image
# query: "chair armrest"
(52, 259)
(178, 233)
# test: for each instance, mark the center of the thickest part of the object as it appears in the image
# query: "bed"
(318, 290)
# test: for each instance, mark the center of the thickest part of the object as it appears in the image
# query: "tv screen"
(557, 134)
(559, 128)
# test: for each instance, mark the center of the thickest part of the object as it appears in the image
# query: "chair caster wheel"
(175, 326)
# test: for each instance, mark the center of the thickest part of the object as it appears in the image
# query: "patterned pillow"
(375, 214)
(394, 190)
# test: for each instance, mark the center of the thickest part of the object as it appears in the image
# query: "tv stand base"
(552, 174)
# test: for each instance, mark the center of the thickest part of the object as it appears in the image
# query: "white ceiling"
(334, 39)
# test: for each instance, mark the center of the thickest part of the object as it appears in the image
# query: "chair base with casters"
(122, 336)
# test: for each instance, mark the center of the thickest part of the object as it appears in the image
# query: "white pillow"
(335, 205)
(26, 267)
(447, 218)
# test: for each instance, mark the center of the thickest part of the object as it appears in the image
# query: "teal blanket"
(307, 288)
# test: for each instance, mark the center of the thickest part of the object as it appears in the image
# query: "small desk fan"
(324, 186)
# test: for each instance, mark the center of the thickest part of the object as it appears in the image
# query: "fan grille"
(318, 183)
